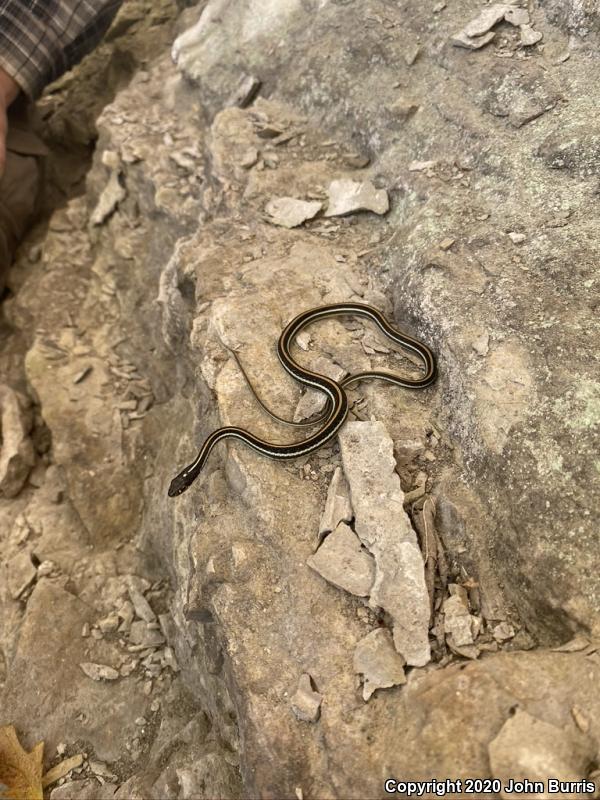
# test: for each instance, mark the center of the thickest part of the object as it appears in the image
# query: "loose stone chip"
(141, 605)
(347, 196)
(144, 636)
(99, 672)
(288, 212)
(530, 37)
(471, 43)
(516, 238)
(343, 562)
(17, 455)
(376, 659)
(306, 703)
(503, 631)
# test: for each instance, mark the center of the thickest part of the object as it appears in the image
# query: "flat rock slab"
(306, 703)
(16, 449)
(384, 528)
(376, 659)
(342, 561)
(290, 212)
(347, 196)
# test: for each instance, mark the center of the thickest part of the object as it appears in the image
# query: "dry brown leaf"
(20, 772)
(62, 769)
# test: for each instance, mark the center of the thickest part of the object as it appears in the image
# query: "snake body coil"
(336, 396)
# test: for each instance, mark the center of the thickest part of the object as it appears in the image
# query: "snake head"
(179, 484)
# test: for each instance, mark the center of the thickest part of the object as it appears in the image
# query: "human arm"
(9, 90)
(39, 41)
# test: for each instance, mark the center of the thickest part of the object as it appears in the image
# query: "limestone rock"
(113, 194)
(529, 36)
(385, 530)
(342, 561)
(378, 662)
(460, 626)
(16, 449)
(99, 672)
(306, 703)
(461, 39)
(347, 196)
(488, 17)
(142, 607)
(290, 212)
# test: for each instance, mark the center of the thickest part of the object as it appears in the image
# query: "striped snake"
(337, 408)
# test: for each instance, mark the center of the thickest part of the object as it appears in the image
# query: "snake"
(337, 410)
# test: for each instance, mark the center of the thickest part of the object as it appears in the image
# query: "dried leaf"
(62, 769)
(20, 772)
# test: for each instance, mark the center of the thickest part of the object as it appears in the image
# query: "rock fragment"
(17, 455)
(141, 605)
(248, 158)
(461, 39)
(109, 623)
(478, 33)
(461, 627)
(503, 631)
(99, 672)
(517, 16)
(113, 194)
(530, 37)
(62, 769)
(384, 528)
(141, 634)
(306, 703)
(126, 612)
(347, 196)
(289, 212)
(421, 166)
(378, 662)
(486, 20)
(516, 238)
(411, 54)
(342, 561)
(338, 507)
(481, 344)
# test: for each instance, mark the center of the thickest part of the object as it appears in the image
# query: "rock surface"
(527, 425)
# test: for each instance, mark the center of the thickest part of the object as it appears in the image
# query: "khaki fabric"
(20, 185)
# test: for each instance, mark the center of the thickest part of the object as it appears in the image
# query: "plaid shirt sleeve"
(41, 39)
